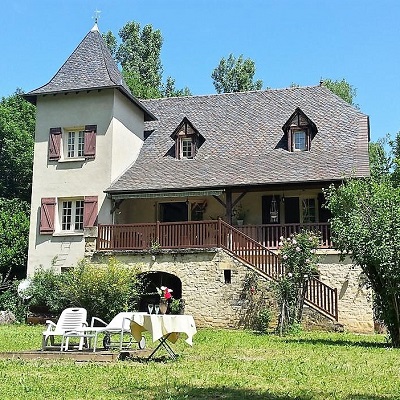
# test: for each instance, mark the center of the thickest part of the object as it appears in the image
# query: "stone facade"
(354, 299)
(221, 291)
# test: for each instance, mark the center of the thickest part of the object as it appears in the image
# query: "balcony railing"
(196, 234)
(269, 235)
(244, 242)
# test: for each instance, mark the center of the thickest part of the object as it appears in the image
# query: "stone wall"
(218, 290)
(221, 291)
(354, 299)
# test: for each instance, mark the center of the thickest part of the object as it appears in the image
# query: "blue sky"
(291, 41)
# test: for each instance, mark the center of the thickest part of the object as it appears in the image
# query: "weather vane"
(96, 16)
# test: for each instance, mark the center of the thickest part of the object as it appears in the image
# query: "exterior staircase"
(319, 296)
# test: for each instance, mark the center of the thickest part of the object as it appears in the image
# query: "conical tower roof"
(89, 67)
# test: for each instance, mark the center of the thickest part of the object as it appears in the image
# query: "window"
(71, 215)
(67, 214)
(72, 143)
(299, 141)
(186, 148)
(75, 144)
(309, 210)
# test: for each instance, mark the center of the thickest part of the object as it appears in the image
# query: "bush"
(103, 290)
(262, 320)
(47, 290)
(10, 301)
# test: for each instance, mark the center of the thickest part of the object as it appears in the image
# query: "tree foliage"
(14, 232)
(342, 89)
(235, 75)
(365, 225)
(139, 55)
(17, 127)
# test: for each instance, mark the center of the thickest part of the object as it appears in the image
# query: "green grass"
(222, 364)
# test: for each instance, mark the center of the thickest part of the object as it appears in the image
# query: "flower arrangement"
(165, 293)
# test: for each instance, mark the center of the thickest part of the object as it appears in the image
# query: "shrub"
(47, 291)
(10, 301)
(103, 290)
(262, 320)
(299, 259)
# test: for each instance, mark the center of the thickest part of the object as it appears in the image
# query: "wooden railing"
(269, 235)
(209, 234)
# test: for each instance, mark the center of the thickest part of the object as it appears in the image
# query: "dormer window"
(300, 131)
(187, 140)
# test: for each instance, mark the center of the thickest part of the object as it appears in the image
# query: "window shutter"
(90, 211)
(89, 150)
(47, 215)
(55, 144)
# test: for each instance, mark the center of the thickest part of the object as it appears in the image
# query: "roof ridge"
(237, 93)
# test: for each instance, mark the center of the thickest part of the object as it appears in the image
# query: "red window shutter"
(47, 215)
(89, 150)
(90, 211)
(55, 144)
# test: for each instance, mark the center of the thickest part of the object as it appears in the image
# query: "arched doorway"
(155, 279)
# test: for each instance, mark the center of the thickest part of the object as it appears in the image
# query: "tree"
(365, 225)
(342, 89)
(169, 89)
(17, 127)
(139, 55)
(380, 163)
(235, 75)
(14, 231)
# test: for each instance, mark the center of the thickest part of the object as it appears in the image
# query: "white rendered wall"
(79, 178)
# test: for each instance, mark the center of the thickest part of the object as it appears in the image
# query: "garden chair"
(71, 319)
(120, 325)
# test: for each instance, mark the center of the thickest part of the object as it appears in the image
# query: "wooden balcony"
(248, 243)
(196, 234)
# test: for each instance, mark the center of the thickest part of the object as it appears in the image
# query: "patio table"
(164, 329)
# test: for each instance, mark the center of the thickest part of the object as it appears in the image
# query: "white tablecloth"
(162, 325)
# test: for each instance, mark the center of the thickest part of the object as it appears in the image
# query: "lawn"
(222, 364)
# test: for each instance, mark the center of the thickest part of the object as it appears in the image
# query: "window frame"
(78, 144)
(296, 131)
(304, 207)
(73, 215)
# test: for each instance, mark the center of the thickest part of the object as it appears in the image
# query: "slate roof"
(244, 142)
(89, 67)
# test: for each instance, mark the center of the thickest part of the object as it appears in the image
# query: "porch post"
(228, 206)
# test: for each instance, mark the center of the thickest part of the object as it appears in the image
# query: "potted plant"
(240, 214)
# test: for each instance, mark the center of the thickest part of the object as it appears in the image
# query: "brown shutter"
(90, 211)
(47, 215)
(89, 150)
(55, 144)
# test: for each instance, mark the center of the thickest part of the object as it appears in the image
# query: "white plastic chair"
(120, 325)
(71, 319)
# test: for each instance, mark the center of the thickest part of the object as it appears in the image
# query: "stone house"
(196, 190)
